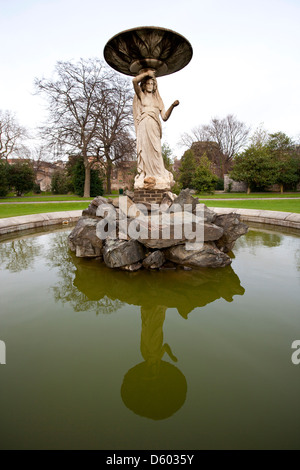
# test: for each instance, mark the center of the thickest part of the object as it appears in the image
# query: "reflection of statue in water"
(155, 389)
(147, 106)
(152, 347)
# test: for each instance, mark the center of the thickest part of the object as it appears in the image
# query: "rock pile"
(129, 236)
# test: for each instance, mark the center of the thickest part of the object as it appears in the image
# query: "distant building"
(233, 186)
(43, 171)
(123, 175)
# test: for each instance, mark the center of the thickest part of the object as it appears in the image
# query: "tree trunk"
(223, 165)
(108, 175)
(281, 188)
(248, 189)
(87, 180)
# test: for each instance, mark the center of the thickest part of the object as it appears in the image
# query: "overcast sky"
(246, 55)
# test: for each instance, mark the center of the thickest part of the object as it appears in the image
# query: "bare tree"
(123, 148)
(260, 136)
(197, 134)
(12, 136)
(230, 135)
(114, 131)
(89, 109)
(40, 154)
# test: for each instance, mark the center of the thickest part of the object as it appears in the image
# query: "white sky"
(245, 62)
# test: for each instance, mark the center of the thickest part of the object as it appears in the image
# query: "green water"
(102, 359)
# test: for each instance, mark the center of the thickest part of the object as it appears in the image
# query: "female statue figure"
(147, 106)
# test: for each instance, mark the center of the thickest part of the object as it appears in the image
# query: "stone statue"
(145, 53)
(147, 109)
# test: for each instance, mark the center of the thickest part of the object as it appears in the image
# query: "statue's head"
(149, 84)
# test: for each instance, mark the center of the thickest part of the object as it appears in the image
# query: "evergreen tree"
(4, 186)
(256, 167)
(21, 177)
(282, 149)
(60, 183)
(187, 169)
(78, 178)
(166, 154)
(204, 181)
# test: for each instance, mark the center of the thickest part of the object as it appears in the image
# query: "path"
(42, 202)
(201, 199)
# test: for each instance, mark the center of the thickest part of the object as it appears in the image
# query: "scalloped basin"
(102, 359)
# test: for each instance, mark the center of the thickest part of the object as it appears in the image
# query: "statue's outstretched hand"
(176, 103)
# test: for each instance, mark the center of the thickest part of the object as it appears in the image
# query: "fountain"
(153, 228)
(73, 327)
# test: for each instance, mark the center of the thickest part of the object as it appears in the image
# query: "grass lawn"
(14, 210)
(215, 200)
(71, 197)
(247, 196)
(278, 205)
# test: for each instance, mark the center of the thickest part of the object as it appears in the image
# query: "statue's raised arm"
(167, 114)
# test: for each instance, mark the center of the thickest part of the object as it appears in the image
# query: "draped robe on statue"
(148, 128)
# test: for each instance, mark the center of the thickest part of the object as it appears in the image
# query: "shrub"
(4, 186)
(37, 188)
(59, 182)
(78, 177)
(219, 185)
(21, 177)
(256, 167)
(176, 188)
(204, 181)
(187, 170)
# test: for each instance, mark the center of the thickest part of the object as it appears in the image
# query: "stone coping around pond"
(284, 219)
(23, 222)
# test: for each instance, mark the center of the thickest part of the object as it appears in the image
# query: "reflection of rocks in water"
(158, 397)
(66, 291)
(184, 290)
(19, 255)
(154, 389)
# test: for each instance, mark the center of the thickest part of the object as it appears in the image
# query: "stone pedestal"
(154, 242)
(149, 196)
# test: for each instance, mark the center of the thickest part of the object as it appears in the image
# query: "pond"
(105, 359)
